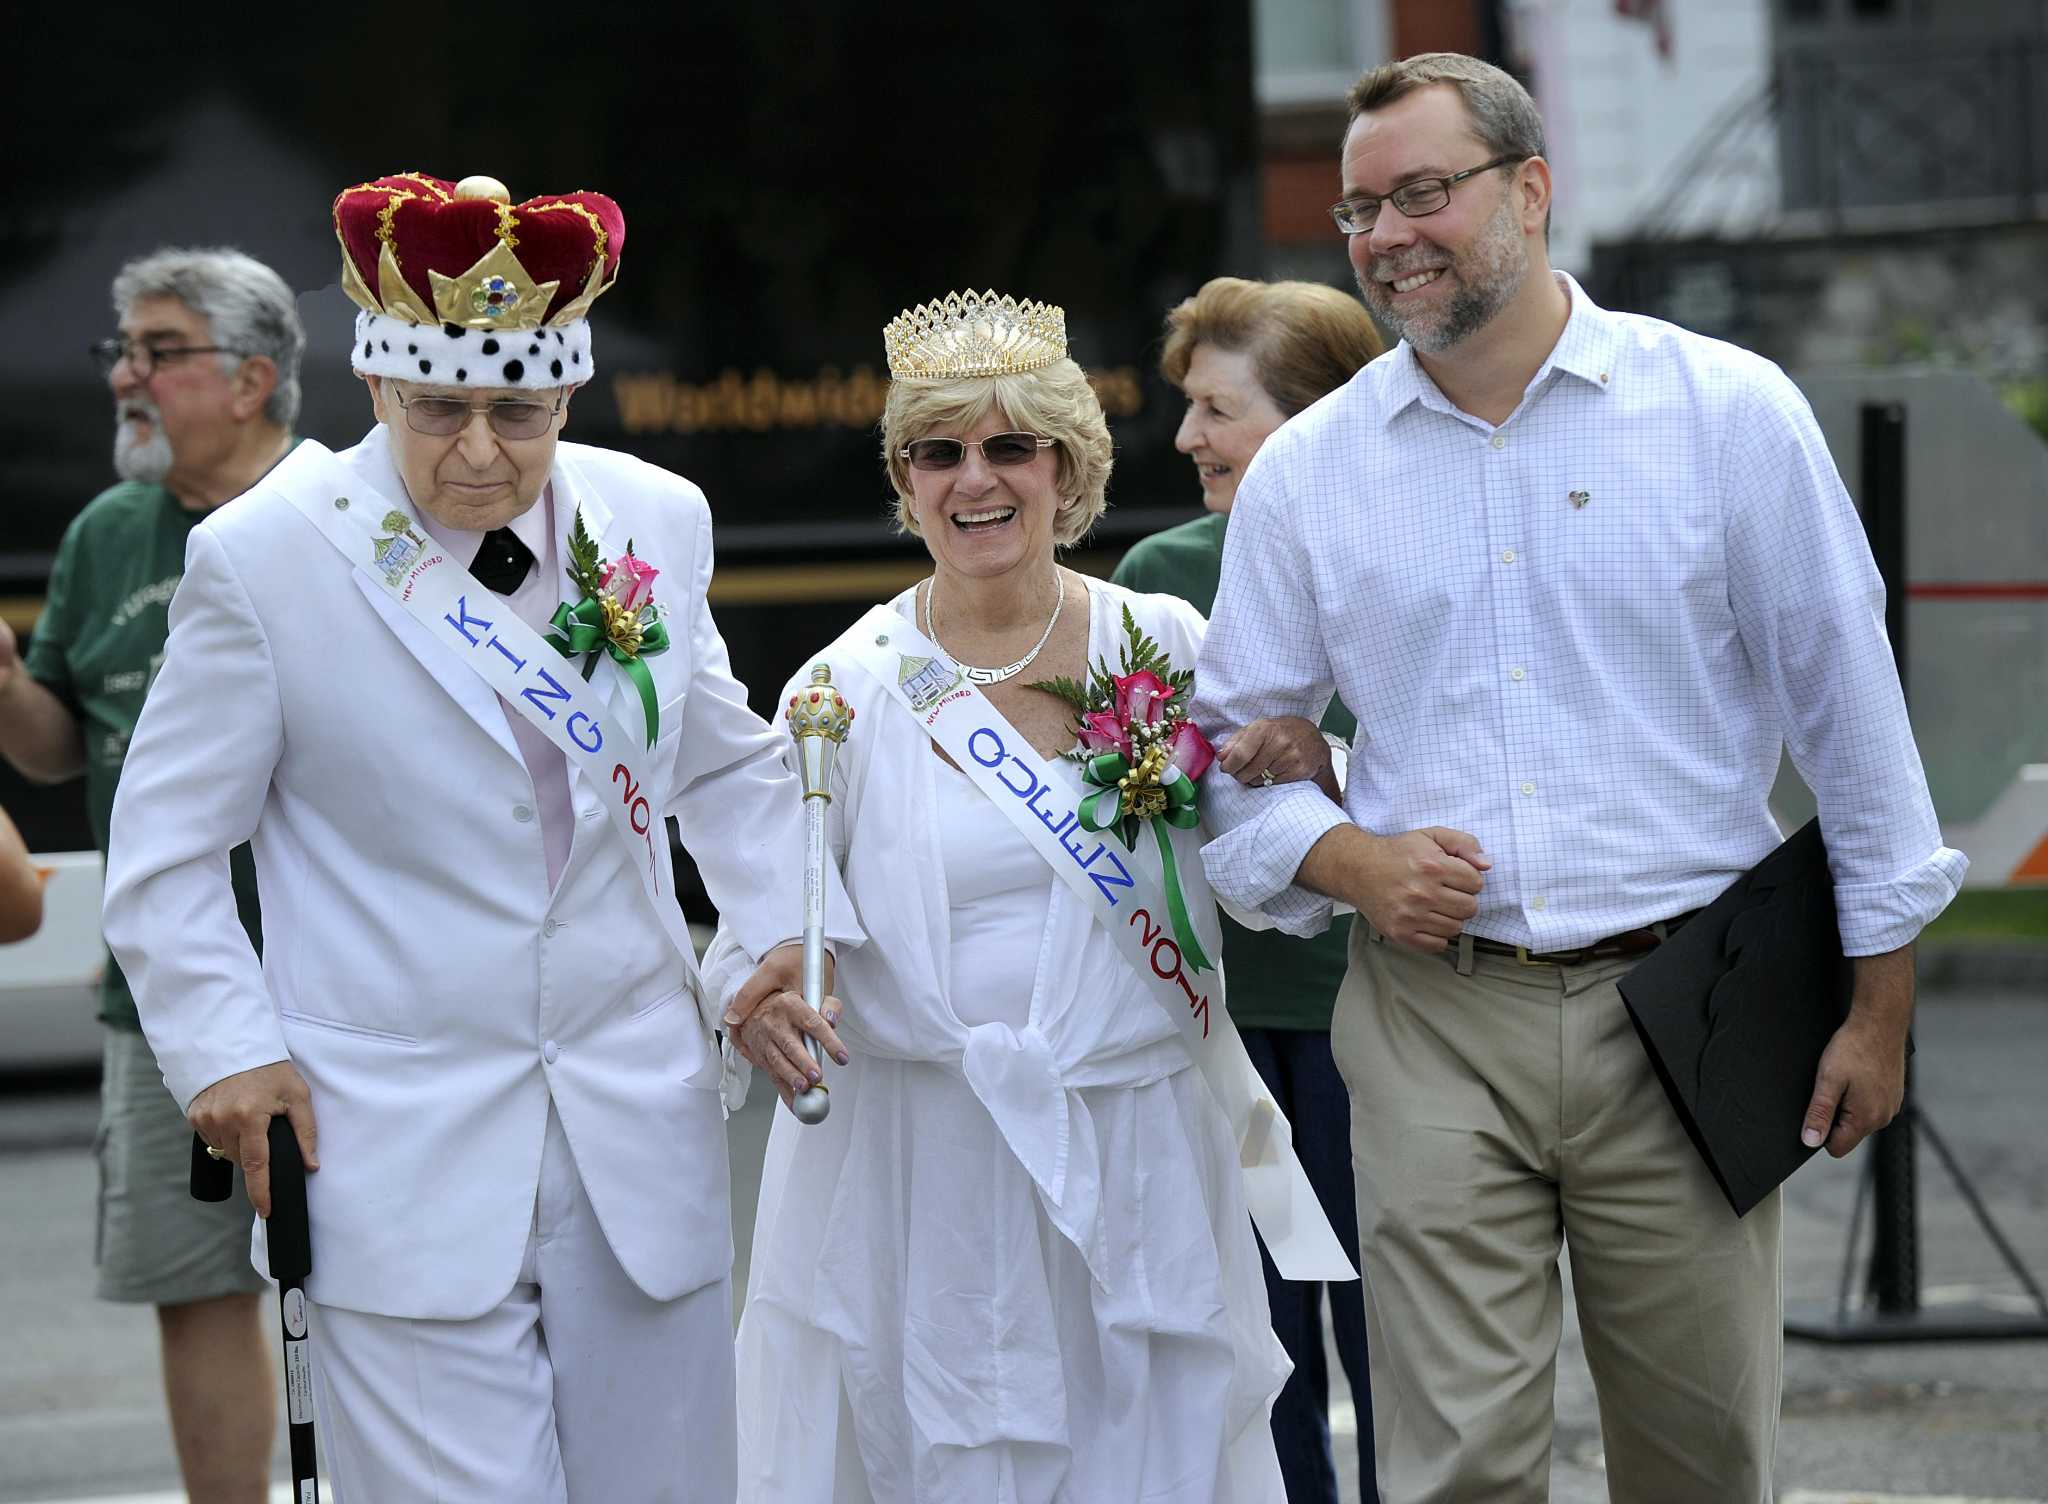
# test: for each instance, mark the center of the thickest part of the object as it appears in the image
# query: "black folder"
(1736, 1008)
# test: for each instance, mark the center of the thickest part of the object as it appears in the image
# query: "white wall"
(1619, 117)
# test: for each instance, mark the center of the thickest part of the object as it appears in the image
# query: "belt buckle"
(1525, 957)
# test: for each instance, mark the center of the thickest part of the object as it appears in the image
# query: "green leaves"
(1139, 654)
(586, 565)
(1063, 688)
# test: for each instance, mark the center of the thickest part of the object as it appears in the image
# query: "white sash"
(1040, 798)
(482, 630)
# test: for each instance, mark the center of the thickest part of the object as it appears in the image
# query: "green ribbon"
(1106, 808)
(579, 628)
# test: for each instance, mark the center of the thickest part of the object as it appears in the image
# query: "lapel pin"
(1580, 498)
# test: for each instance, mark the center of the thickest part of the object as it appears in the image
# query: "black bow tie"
(501, 561)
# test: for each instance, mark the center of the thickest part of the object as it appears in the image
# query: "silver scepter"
(819, 719)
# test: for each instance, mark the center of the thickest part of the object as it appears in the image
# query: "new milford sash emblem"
(926, 681)
(397, 553)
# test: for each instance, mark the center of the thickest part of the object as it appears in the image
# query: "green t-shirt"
(1275, 981)
(97, 647)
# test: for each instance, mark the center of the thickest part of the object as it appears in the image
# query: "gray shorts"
(155, 1245)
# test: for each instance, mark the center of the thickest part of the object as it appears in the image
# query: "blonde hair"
(1305, 339)
(1055, 401)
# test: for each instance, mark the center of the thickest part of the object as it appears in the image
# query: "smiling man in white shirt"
(1581, 575)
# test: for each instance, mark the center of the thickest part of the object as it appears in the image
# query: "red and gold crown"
(459, 286)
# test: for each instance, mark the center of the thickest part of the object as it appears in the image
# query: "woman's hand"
(1279, 749)
(769, 1018)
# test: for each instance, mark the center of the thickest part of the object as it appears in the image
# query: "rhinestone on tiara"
(974, 334)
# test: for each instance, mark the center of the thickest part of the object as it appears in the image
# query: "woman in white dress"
(1014, 1263)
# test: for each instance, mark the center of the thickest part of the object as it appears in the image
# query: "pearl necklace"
(975, 675)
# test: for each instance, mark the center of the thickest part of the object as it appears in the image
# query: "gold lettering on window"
(657, 402)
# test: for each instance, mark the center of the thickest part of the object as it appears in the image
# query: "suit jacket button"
(550, 1051)
(522, 813)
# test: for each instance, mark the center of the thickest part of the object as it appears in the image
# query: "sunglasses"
(996, 449)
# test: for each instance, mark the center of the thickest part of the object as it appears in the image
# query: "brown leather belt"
(1627, 943)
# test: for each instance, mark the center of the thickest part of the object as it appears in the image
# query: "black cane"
(289, 1236)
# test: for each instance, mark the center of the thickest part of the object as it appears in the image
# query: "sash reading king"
(483, 632)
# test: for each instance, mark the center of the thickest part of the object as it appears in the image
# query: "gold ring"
(1265, 778)
(213, 1153)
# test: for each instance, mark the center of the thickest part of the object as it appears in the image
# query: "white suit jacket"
(416, 968)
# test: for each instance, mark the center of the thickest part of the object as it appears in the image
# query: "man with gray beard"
(205, 378)
(1582, 575)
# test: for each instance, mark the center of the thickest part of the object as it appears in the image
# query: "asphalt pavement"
(82, 1415)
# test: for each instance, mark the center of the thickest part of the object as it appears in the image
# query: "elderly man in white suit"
(452, 730)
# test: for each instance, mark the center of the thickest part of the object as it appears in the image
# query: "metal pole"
(1894, 1281)
(1883, 467)
(1895, 1217)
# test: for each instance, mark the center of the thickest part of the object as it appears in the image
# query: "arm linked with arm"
(1263, 656)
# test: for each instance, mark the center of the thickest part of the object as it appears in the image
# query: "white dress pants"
(577, 1389)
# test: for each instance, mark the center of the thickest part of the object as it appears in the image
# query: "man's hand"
(1417, 889)
(233, 1115)
(38, 733)
(1862, 1077)
(769, 1018)
(1279, 749)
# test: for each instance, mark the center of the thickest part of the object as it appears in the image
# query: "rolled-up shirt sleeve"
(1263, 656)
(1809, 605)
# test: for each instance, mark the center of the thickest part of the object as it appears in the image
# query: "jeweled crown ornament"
(974, 334)
(459, 286)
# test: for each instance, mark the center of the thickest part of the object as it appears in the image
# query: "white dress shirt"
(1581, 636)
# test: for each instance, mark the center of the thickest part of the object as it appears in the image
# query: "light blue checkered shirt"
(1582, 636)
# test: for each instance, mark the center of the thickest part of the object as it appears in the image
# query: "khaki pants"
(1494, 1115)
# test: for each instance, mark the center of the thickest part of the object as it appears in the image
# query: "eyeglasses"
(1355, 216)
(996, 449)
(144, 359)
(438, 417)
